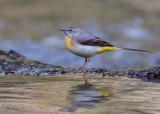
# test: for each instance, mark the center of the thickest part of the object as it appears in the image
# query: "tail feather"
(134, 50)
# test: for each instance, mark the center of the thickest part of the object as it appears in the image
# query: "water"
(67, 94)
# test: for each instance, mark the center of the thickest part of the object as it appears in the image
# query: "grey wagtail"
(85, 44)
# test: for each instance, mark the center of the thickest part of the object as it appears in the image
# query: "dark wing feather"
(95, 42)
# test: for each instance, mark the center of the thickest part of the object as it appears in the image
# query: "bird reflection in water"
(86, 96)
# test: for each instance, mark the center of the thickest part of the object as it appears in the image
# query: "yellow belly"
(105, 48)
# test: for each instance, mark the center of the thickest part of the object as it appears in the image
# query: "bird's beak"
(62, 29)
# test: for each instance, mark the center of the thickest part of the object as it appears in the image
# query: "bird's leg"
(84, 70)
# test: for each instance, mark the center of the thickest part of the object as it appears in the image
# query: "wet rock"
(2, 52)
(11, 53)
(12, 62)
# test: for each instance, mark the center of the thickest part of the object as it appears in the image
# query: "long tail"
(134, 50)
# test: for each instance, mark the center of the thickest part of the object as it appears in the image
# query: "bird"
(85, 44)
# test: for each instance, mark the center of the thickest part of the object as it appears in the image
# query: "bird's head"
(71, 31)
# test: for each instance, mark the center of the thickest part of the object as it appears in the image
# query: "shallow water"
(67, 94)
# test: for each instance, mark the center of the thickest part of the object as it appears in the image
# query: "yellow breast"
(69, 43)
(106, 48)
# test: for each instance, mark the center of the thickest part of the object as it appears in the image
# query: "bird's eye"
(70, 30)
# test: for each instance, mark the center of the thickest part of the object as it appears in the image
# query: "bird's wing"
(95, 42)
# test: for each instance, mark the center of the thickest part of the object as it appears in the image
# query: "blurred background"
(30, 28)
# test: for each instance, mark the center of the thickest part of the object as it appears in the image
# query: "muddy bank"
(12, 62)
